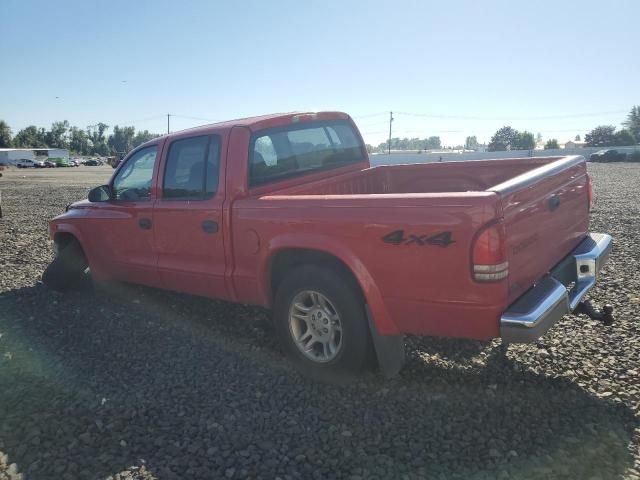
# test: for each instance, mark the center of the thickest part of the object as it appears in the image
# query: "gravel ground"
(141, 384)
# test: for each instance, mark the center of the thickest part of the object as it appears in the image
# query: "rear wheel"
(67, 270)
(321, 321)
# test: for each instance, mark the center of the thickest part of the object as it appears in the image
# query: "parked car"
(25, 163)
(49, 164)
(285, 211)
(62, 162)
(92, 163)
(607, 156)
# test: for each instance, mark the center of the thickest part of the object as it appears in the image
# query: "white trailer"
(11, 156)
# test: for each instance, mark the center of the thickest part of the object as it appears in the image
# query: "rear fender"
(383, 322)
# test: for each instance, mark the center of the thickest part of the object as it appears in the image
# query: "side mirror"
(100, 194)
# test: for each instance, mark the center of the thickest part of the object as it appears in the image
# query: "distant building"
(11, 156)
(575, 144)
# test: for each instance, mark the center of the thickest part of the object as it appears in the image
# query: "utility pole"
(390, 122)
(168, 115)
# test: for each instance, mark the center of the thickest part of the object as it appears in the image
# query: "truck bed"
(479, 175)
(541, 203)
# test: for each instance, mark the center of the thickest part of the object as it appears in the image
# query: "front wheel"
(321, 320)
(67, 270)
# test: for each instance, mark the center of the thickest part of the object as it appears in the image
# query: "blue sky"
(469, 66)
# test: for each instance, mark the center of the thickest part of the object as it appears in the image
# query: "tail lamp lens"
(489, 257)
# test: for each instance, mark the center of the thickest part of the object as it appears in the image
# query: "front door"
(188, 218)
(124, 224)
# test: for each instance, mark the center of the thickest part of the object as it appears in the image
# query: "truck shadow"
(93, 385)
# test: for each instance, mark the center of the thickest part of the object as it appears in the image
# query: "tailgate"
(546, 214)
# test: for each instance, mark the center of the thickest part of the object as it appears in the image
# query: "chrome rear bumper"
(558, 293)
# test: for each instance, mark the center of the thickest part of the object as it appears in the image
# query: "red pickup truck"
(286, 212)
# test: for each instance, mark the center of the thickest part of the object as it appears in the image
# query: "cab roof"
(264, 121)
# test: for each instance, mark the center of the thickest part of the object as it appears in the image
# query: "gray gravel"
(141, 384)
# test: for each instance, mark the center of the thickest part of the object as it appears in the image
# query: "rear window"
(300, 149)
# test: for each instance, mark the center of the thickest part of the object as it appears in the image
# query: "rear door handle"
(210, 226)
(144, 223)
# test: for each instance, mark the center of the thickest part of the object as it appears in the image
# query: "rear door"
(546, 214)
(188, 217)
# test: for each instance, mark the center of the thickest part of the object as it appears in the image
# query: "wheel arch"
(288, 252)
(286, 259)
(63, 239)
(63, 233)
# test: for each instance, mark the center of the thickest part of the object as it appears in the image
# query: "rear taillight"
(489, 256)
(589, 191)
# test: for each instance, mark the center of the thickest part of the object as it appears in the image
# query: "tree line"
(508, 138)
(430, 143)
(92, 140)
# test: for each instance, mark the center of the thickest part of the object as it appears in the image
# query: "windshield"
(300, 149)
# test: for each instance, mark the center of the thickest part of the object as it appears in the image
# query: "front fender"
(57, 226)
(331, 246)
(62, 225)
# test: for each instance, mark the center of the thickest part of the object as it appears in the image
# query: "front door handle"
(210, 226)
(144, 223)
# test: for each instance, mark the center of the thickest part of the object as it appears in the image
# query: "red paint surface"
(421, 289)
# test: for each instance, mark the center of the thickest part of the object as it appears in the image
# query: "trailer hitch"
(605, 315)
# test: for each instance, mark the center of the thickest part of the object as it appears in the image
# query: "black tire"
(356, 351)
(67, 270)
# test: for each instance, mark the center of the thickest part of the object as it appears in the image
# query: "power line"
(195, 118)
(411, 114)
(418, 130)
(188, 117)
(378, 114)
(390, 123)
(373, 124)
(424, 130)
(140, 120)
(567, 129)
(547, 117)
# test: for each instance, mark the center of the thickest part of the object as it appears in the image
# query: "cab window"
(133, 181)
(192, 168)
(302, 149)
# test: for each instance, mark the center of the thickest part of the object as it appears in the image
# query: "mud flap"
(389, 349)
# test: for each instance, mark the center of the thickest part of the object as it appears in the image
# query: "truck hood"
(80, 204)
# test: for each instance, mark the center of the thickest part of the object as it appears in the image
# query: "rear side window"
(300, 149)
(192, 169)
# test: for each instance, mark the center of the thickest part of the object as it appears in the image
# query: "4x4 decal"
(397, 237)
